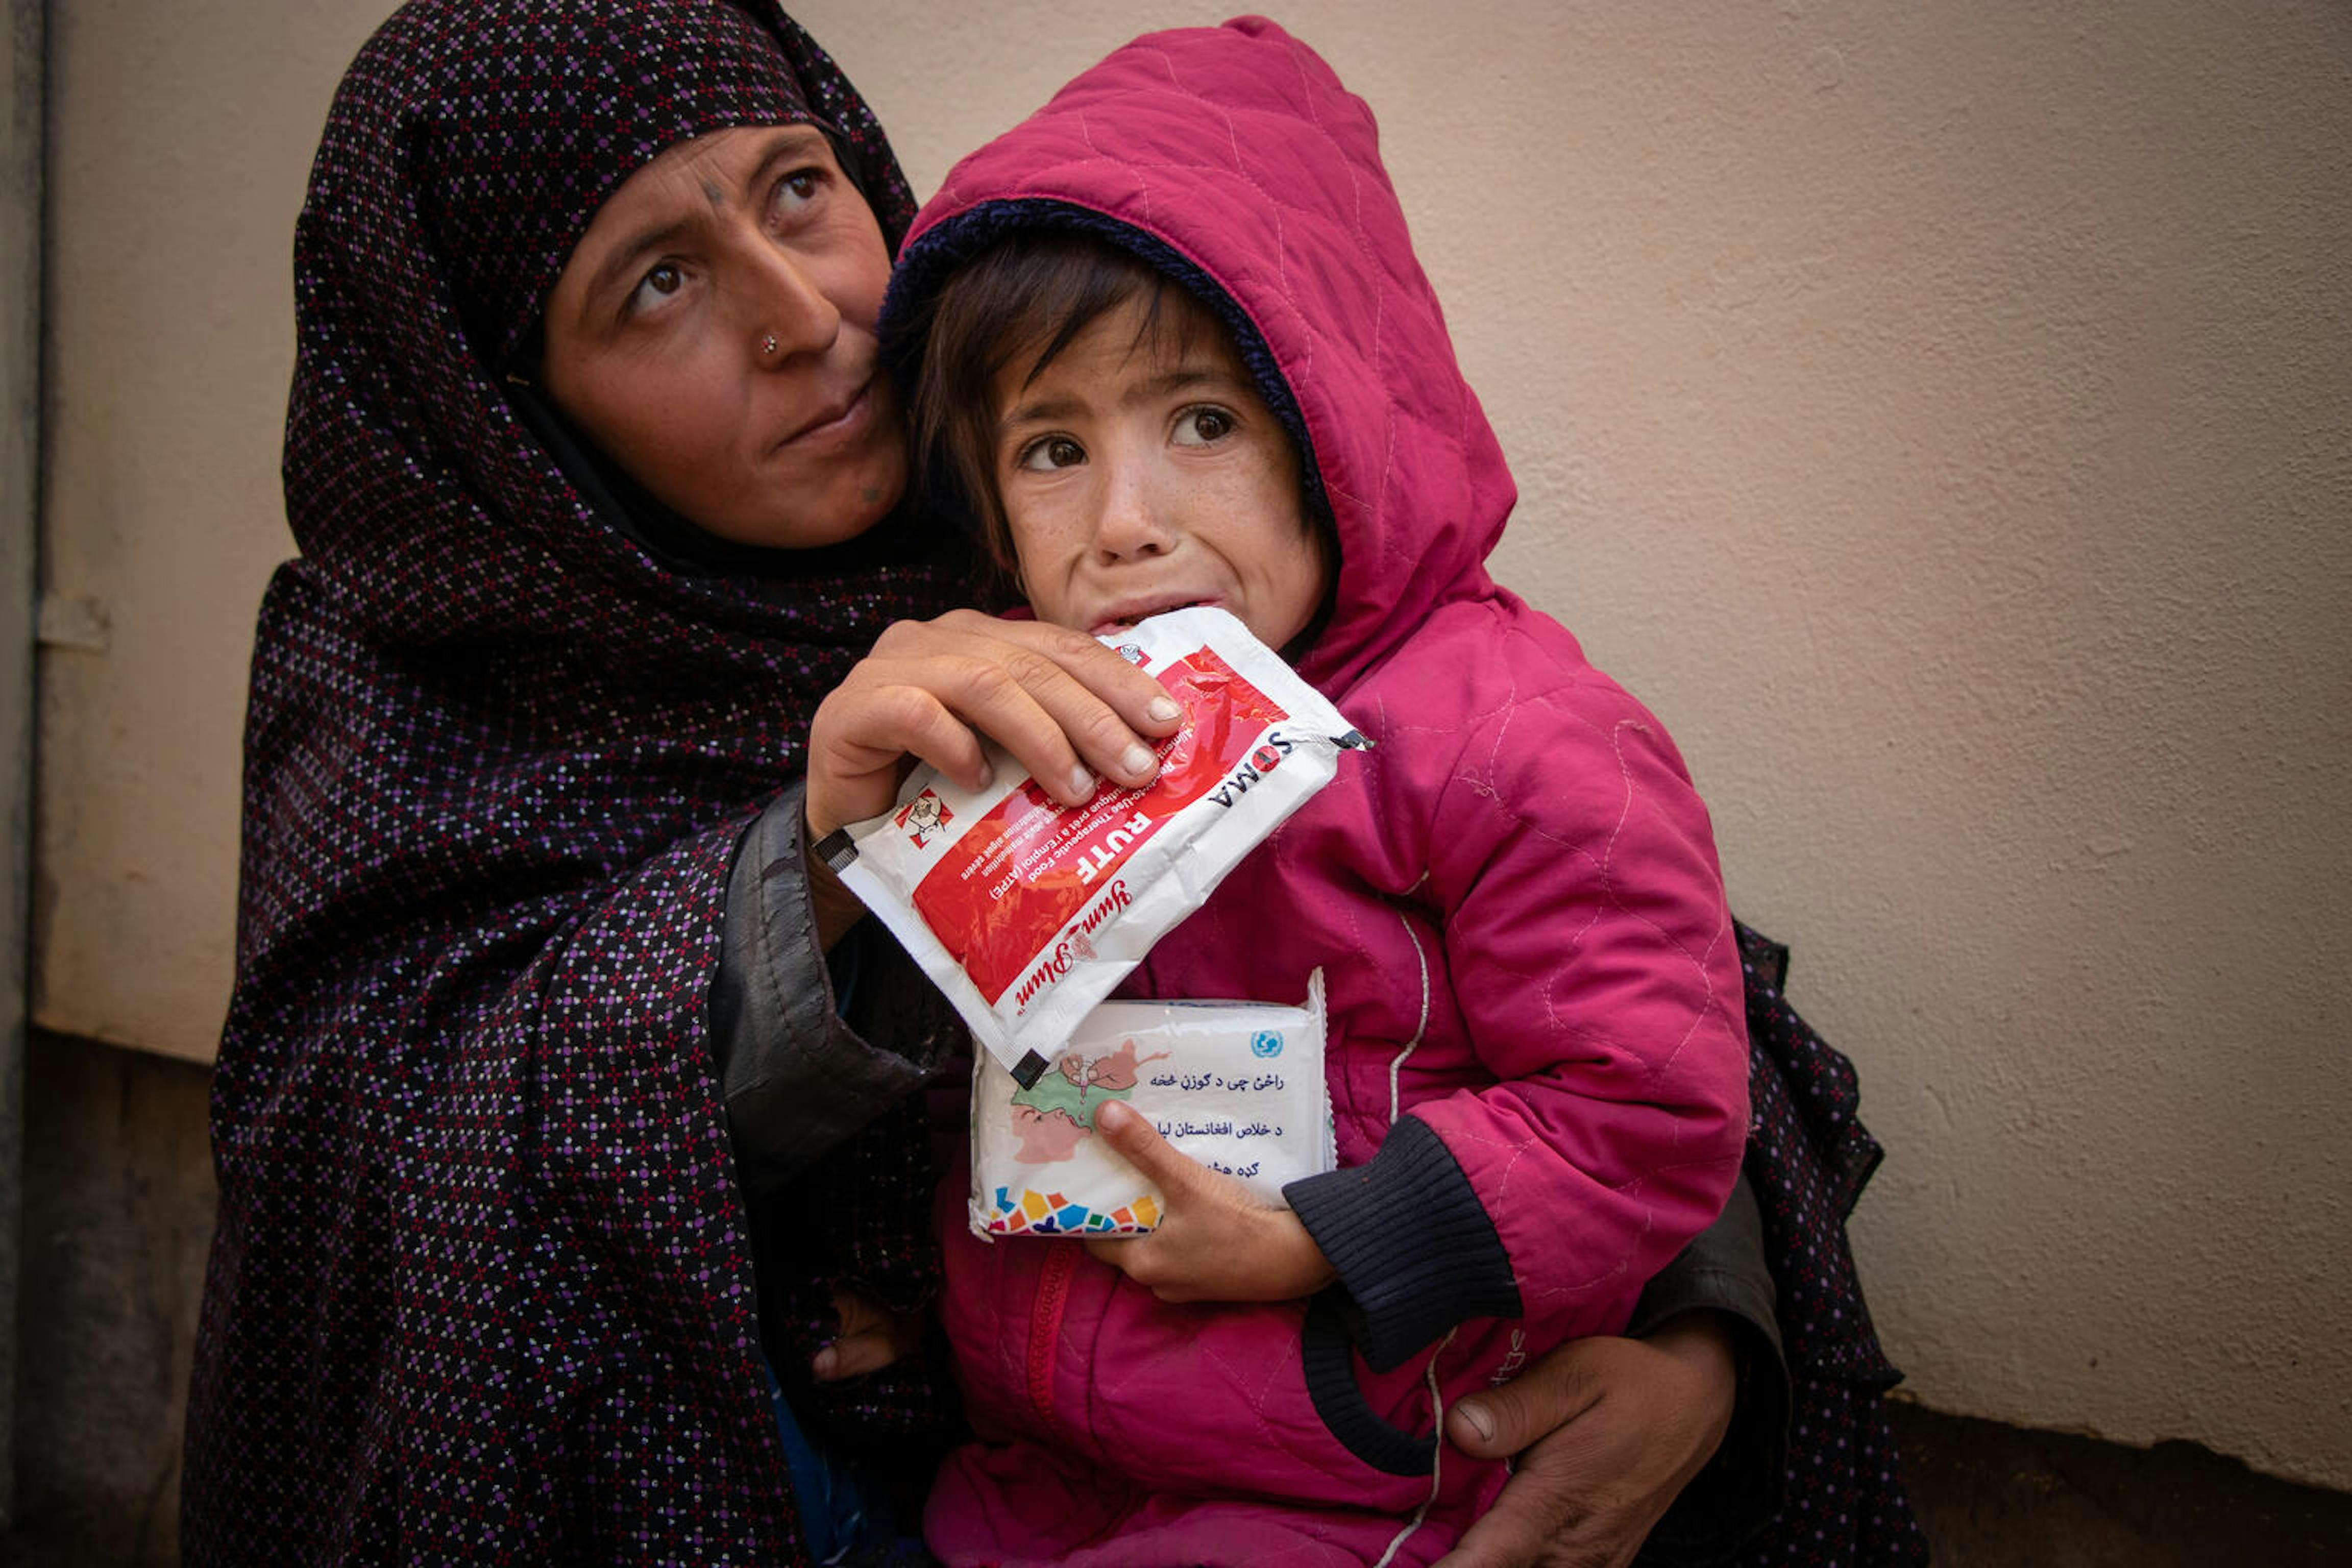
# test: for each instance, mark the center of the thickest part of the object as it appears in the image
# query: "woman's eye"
(1050, 452)
(1202, 426)
(797, 189)
(657, 284)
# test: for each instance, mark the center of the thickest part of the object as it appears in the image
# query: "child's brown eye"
(1200, 427)
(1051, 452)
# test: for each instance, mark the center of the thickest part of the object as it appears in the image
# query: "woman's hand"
(872, 1336)
(1608, 1432)
(1069, 710)
(1216, 1241)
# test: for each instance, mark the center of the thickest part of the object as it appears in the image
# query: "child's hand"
(1217, 1240)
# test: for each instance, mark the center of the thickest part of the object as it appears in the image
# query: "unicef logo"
(1265, 1043)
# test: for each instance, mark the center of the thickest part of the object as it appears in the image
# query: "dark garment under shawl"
(1841, 1496)
(482, 1287)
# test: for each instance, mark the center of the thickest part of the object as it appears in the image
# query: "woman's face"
(713, 333)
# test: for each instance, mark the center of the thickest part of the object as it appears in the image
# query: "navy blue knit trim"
(1410, 1241)
(1324, 1348)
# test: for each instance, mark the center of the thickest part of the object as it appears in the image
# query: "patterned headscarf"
(480, 1290)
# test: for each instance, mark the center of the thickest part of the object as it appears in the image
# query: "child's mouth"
(1124, 619)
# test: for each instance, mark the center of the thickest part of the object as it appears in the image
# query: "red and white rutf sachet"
(1026, 913)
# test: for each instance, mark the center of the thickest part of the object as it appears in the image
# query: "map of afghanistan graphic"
(1052, 1117)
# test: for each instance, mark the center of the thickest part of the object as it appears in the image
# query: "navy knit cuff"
(1410, 1241)
(1327, 1357)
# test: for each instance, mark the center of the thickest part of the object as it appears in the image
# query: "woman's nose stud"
(768, 344)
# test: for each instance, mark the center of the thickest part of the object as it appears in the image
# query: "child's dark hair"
(1033, 292)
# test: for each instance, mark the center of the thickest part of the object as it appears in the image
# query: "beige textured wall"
(181, 134)
(1942, 414)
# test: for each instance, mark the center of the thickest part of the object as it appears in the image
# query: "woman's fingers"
(1057, 699)
(1503, 1421)
(1555, 1511)
(872, 1337)
(1069, 710)
(1109, 710)
(854, 1355)
(1607, 1431)
(861, 739)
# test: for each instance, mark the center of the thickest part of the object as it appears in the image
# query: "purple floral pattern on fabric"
(482, 1288)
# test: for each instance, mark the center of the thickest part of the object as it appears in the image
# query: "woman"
(499, 1120)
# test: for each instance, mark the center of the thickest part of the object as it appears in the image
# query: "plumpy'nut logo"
(923, 816)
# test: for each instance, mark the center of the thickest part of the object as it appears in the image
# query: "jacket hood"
(1232, 159)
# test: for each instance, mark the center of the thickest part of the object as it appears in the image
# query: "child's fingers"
(1116, 1250)
(1217, 1241)
(1164, 1166)
(1158, 1258)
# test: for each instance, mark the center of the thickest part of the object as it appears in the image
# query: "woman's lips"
(847, 423)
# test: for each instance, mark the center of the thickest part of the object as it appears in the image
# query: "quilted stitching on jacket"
(1524, 829)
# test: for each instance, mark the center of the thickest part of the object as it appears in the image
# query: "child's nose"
(1134, 520)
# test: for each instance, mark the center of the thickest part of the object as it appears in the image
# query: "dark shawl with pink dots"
(482, 1291)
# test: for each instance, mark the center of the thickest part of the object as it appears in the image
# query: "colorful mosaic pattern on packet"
(1028, 1212)
(481, 1290)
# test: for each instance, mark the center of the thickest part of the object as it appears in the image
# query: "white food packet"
(1238, 1086)
(1026, 913)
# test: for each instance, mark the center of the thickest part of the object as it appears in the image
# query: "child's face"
(1141, 474)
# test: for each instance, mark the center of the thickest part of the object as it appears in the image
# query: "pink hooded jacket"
(1538, 1061)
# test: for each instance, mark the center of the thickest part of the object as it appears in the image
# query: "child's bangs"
(1075, 290)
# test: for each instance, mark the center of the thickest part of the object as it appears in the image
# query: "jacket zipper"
(1046, 1327)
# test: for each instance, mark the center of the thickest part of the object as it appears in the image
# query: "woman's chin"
(811, 519)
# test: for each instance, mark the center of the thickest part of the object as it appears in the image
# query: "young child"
(1169, 344)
